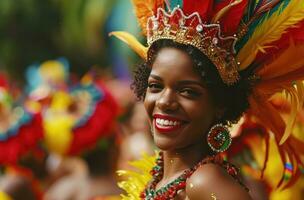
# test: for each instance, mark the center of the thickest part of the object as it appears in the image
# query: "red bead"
(171, 195)
(142, 195)
(182, 185)
(232, 171)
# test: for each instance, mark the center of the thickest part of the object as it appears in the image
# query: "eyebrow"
(156, 77)
(182, 82)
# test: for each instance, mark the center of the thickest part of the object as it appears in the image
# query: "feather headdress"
(264, 38)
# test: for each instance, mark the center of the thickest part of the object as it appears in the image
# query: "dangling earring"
(219, 138)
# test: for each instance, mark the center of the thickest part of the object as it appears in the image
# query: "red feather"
(295, 142)
(203, 7)
(219, 6)
(295, 33)
(230, 22)
(267, 140)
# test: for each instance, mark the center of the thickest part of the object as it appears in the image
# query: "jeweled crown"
(191, 30)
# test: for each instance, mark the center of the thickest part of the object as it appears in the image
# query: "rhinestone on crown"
(190, 30)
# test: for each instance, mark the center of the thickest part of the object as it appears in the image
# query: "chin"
(167, 144)
(164, 145)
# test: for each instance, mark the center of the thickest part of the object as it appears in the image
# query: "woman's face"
(178, 104)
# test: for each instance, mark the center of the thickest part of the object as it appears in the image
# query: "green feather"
(175, 3)
(258, 21)
(251, 7)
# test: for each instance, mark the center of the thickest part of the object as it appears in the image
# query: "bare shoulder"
(210, 181)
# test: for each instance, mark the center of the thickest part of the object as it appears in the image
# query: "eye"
(154, 87)
(189, 92)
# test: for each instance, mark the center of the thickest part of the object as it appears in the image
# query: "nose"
(167, 101)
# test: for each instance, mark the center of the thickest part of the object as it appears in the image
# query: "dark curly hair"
(233, 99)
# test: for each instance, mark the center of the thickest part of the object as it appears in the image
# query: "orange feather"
(290, 60)
(145, 9)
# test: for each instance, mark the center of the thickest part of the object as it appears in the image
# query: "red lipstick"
(167, 124)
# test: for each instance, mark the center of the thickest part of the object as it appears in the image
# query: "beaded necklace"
(170, 190)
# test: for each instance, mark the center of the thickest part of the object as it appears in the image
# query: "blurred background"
(68, 119)
(35, 31)
(66, 108)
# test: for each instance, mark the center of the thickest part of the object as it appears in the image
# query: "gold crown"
(190, 30)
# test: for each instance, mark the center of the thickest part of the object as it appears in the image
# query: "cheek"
(202, 113)
(149, 103)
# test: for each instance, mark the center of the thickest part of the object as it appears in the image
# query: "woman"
(182, 108)
(203, 69)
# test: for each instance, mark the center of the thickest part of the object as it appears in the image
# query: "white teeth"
(163, 122)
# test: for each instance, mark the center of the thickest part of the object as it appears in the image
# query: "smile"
(163, 122)
(166, 124)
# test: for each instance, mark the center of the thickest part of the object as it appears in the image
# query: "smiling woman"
(176, 94)
(207, 63)
(184, 97)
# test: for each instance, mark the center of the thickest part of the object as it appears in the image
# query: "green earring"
(218, 138)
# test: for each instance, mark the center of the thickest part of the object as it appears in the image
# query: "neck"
(176, 161)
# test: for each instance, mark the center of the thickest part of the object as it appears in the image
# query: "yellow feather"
(271, 30)
(145, 9)
(136, 181)
(4, 196)
(296, 99)
(130, 40)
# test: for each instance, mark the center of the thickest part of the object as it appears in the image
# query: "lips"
(167, 124)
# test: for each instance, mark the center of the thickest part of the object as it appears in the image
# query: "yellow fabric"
(58, 133)
(271, 30)
(53, 71)
(135, 181)
(4, 196)
(58, 124)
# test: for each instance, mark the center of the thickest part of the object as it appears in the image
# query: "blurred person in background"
(21, 132)
(102, 164)
(136, 136)
(14, 187)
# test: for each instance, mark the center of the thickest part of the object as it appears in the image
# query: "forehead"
(171, 62)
